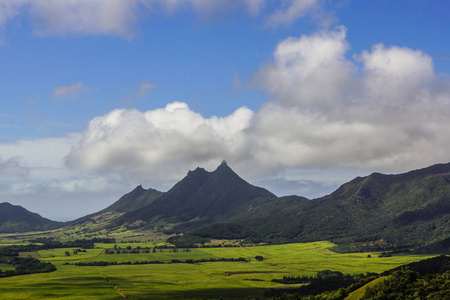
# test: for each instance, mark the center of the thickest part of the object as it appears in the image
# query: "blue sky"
(298, 96)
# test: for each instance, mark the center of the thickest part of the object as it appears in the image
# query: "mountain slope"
(134, 200)
(201, 195)
(14, 218)
(410, 209)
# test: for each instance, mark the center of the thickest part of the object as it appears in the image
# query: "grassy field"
(186, 281)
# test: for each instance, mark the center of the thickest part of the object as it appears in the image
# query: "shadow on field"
(206, 294)
(72, 281)
(67, 287)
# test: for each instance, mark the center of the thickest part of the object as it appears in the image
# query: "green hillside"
(377, 211)
(14, 218)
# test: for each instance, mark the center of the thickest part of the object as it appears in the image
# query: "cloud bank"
(383, 109)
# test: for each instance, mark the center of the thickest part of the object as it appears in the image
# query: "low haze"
(298, 96)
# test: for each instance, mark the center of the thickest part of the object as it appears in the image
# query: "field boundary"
(113, 285)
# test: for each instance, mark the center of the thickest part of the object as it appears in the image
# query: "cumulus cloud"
(171, 138)
(382, 110)
(14, 167)
(68, 91)
(308, 71)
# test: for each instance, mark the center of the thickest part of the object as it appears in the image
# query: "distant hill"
(405, 210)
(134, 200)
(14, 218)
(201, 196)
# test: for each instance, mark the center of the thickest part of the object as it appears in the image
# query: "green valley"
(169, 280)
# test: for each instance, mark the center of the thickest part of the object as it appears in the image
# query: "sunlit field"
(185, 280)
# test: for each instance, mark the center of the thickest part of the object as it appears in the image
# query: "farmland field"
(213, 279)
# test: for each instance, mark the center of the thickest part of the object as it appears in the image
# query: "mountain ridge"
(410, 209)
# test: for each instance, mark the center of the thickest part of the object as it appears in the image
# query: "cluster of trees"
(294, 279)
(75, 251)
(114, 263)
(25, 266)
(138, 250)
(191, 261)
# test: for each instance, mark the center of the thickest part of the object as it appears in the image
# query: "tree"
(259, 258)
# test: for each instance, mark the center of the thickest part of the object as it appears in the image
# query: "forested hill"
(410, 209)
(14, 218)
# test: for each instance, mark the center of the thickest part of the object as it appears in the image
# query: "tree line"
(173, 261)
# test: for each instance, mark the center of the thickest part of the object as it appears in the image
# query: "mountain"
(14, 218)
(201, 196)
(410, 209)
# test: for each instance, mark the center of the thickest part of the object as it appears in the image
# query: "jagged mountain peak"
(202, 194)
(197, 170)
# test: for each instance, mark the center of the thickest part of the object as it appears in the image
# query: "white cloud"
(309, 71)
(170, 139)
(396, 75)
(68, 91)
(329, 111)
(110, 17)
(292, 11)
